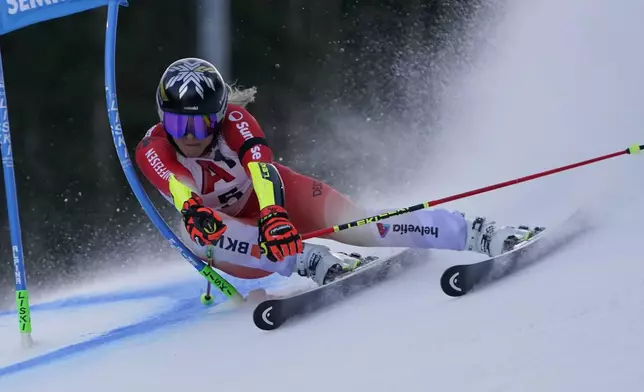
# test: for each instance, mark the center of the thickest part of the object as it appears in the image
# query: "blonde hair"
(241, 96)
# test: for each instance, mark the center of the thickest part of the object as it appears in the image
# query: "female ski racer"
(209, 157)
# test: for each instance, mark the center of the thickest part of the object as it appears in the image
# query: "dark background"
(352, 77)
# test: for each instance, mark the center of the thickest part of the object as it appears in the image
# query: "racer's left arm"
(278, 237)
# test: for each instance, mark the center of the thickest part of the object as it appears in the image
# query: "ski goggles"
(199, 125)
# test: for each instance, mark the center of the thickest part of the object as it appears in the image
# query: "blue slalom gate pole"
(14, 16)
(121, 147)
(11, 194)
(126, 163)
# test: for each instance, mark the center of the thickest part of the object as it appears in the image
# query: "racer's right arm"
(157, 160)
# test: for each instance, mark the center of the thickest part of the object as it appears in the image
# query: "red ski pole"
(634, 149)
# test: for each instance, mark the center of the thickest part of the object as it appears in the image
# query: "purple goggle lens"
(199, 125)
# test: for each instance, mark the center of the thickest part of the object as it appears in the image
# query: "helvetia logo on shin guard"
(416, 229)
(383, 229)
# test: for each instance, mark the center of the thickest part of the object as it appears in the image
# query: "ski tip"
(266, 317)
(451, 281)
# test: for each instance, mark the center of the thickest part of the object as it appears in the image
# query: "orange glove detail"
(278, 237)
(202, 223)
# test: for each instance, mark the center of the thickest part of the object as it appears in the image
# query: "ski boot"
(323, 266)
(487, 238)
